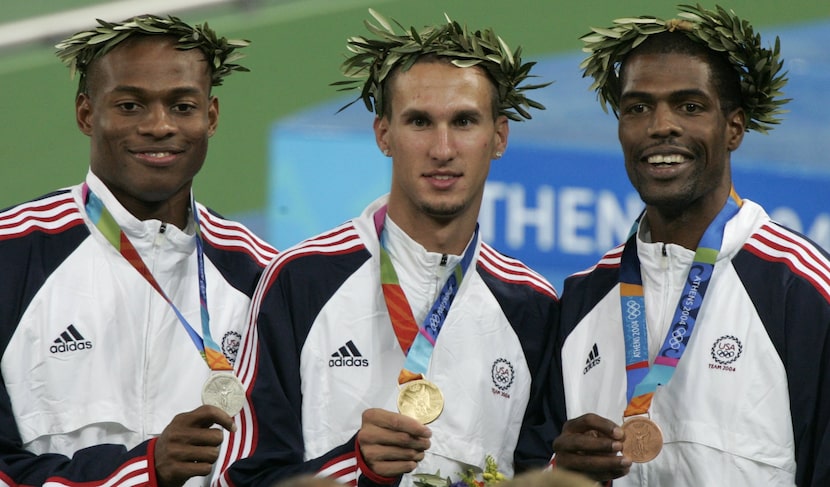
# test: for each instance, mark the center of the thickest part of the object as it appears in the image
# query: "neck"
(443, 237)
(173, 211)
(685, 227)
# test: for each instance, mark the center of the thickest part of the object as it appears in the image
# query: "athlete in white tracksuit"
(95, 363)
(323, 350)
(747, 404)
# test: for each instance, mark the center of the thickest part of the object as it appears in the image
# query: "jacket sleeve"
(534, 448)
(795, 308)
(807, 361)
(94, 466)
(28, 260)
(268, 444)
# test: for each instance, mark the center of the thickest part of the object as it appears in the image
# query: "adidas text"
(348, 362)
(70, 347)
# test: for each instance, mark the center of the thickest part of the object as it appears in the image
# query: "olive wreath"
(78, 51)
(759, 68)
(373, 59)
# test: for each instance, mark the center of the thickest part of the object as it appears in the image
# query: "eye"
(637, 108)
(691, 107)
(183, 108)
(419, 122)
(128, 106)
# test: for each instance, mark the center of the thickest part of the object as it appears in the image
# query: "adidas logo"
(593, 359)
(70, 340)
(348, 356)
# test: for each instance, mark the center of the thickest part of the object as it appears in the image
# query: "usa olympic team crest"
(725, 351)
(503, 376)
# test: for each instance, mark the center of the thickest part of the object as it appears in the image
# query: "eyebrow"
(179, 91)
(674, 95)
(465, 113)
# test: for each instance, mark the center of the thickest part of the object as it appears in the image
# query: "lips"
(442, 180)
(666, 159)
(157, 156)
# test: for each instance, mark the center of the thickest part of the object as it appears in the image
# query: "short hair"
(723, 76)
(386, 85)
(373, 60)
(80, 50)
(759, 69)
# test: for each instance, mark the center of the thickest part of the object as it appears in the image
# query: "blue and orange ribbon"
(109, 228)
(417, 342)
(642, 380)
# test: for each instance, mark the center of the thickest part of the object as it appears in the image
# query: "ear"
(83, 113)
(381, 126)
(500, 136)
(213, 116)
(735, 129)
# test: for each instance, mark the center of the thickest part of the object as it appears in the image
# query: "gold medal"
(420, 399)
(225, 391)
(643, 439)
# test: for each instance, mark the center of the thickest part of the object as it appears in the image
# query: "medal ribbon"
(642, 380)
(417, 342)
(106, 224)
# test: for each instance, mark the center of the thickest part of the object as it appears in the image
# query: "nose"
(664, 122)
(157, 122)
(441, 148)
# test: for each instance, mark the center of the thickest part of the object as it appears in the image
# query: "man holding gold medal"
(346, 372)
(123, 299)
(707, 333)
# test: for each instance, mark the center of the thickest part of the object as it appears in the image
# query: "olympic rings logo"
(633, 309)
(677, 336)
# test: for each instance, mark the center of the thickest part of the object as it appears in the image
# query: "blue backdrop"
(559, 197)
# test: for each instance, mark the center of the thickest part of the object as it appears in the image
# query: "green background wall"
(297, 48)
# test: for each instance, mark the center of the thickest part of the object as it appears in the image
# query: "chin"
(443, 210)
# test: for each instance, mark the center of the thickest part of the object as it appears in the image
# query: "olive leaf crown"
(80, 50)
(374, 59)
(759, 68)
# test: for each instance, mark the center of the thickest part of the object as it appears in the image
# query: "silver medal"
(225, 391)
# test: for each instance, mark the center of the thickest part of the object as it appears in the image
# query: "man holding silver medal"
(346, 372)
(122, 298)
(707, 332)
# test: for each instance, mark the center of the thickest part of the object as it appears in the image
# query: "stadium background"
(296, 50)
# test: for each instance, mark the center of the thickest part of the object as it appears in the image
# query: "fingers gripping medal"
(643, 439)
(420, 399)
(225, 391)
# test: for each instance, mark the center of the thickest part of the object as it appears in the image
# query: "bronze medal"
(420, 399)
(643, 439)
(225, 391)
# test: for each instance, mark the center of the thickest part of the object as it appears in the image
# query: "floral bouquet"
(489, 477)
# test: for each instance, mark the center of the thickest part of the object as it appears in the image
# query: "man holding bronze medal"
(706, 332)
(346, 372)
(123, 300)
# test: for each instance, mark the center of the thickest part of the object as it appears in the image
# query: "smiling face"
(675, 136)
(149, 115)
(441, 135)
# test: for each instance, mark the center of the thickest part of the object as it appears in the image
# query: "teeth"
(157, 154)
(666, 159)
(443, 178)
